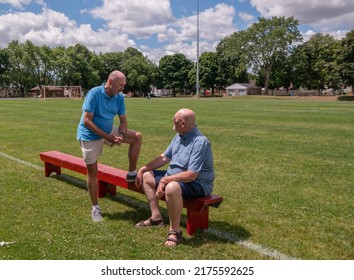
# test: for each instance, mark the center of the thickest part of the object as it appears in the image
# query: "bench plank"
(109, 177)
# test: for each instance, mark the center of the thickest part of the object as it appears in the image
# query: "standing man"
(190, 174)
(96, 128)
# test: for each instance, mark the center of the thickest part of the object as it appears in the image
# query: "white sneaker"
(96, 215)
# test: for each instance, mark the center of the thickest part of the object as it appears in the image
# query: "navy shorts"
(189, 190)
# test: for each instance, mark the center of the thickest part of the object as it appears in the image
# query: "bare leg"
(150, 192)
(92, 184)
(174, 202)
(135, 139)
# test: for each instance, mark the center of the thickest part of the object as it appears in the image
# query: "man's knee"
(138, 136)
(148, 177)
(173, 189)
(133, 137)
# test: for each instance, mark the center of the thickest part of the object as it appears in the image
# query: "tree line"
(270, 51)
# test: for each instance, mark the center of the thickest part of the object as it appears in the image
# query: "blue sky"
(159, 27)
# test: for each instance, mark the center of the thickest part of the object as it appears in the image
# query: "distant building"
(56, 91)
(240, 89)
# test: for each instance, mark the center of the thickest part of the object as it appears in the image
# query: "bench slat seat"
(109, 177)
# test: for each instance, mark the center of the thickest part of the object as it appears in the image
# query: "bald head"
(184, 121)
(187, 115)
(116, 75)
(115, 82)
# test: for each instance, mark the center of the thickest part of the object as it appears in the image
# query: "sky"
(159, 27)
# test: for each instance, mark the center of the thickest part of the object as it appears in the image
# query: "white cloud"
(52, 28)
(18, 4)
(245, 16)
(217, 23)
(133, 22)
(143, 19)
(161, 37)
(214, 24)
(41, 3)
(136, 17)
(322, 15)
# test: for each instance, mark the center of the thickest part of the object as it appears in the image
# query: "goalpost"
(62, 91)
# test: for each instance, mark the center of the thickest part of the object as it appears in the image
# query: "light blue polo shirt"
(192, 152)
(104, 108)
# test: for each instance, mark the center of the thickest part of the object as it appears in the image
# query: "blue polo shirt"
(104, 108)
(192, 152)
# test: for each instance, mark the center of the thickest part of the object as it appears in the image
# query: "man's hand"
(115, 140)
(139, 179)
(160, 191)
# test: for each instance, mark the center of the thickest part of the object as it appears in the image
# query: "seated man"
(96, 128)
(190, 174)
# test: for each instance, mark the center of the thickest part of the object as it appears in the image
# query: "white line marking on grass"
(249, 245)
(21, 161)
(229, 237)
(220, 234)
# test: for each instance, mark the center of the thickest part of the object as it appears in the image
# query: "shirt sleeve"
(121, 106)
(199, 154)
(168, 151)
(89, 104)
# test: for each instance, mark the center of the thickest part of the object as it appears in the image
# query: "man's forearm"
(94, 128)
(185, 176)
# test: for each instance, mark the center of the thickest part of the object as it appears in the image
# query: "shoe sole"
(97, 219)
(157, 226)
(130, 180)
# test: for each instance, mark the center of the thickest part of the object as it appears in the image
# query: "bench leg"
(196, 220)
(104, 188)
(50, 168)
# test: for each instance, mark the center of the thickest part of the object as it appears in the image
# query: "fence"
(9, 92)
(297, 92)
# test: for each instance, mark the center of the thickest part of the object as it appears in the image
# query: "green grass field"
(284, 167)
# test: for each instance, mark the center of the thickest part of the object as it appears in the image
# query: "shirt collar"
(189, 133)
(103, 91)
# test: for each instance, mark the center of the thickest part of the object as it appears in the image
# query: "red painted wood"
(109, 177)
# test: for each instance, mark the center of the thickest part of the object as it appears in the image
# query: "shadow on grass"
(346, 98)
(81, 184)
(216, 232)
(219, 231)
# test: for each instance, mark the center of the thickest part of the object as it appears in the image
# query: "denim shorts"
(189, 190)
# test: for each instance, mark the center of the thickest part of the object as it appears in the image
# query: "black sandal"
(176, 240)
(158, 223)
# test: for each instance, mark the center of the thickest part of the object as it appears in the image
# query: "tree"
(230, 69)
(61, 66)
(39, 61)
(140, 71)
(346, 59)
(110, 61)
(175, 69)
(281, 74)
(81, 71)
(4, 65)
(208, 70)
(315, 63)
(261, 44)
(19, 69)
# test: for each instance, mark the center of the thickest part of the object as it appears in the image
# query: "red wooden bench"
(109, 177)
